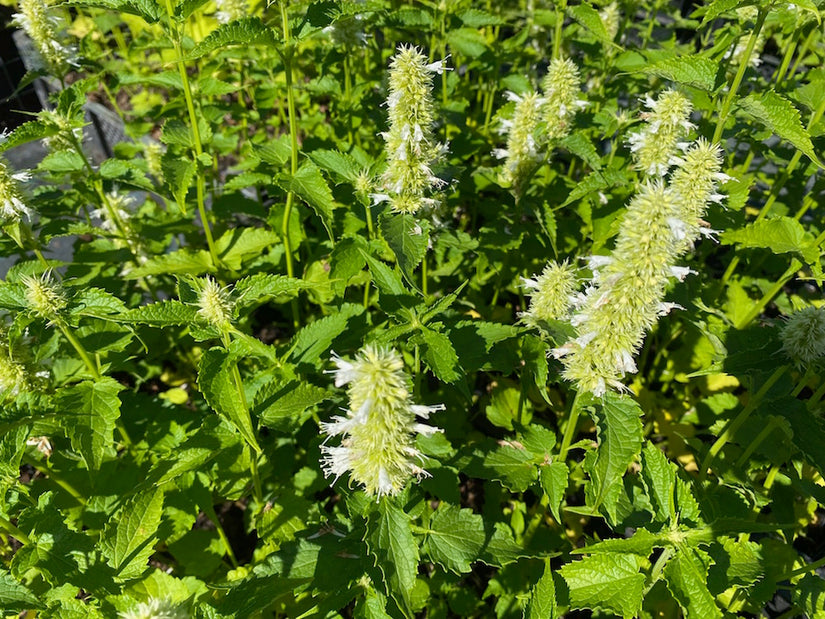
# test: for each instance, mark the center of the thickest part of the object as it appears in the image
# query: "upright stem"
(196, 135)
(770, 294)
(740, 73)
(570, 428)
(738, 421)
(12, 530)
(561, 8)
(293, 135)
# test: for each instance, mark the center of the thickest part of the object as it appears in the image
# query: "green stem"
(12, 530)
(42, 260)
(772, 292)
(293, 136)
(786, 59)
(803, 382)
(58, 479)
(656, 571)
(196, 136)
(561, 9)
(740, 73)
(736, 423)
(816, 396)
(81, 350)
(213, 516)
(760, 438)
(570, 428)
(810, 567)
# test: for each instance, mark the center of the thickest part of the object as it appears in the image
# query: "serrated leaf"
(583, 148)
(809, 594)
(391, 543)
(128, 539)
(12, 448)
(341, 165)
(89, 412)
(96, 302)
(542, 604)
(691, 70)
(455, 538)
(619, 433)
(15, 597)
(609, 582)
(387, 280)
(246, 31)
(467, 41)
(178, 173)
(262, 287)
(641, 543)
(181, 261)
(316, 338)
(408, 240)
(686, 577)
(246, 179)
(161, 314)
(507, 462)
(62, 161)
(239, 244)
(717, 7)
(589, 18)
(780, 116)
(476, 18)
(440, 356)
(779, 234)
(216, 382)
(27, 132)
(278, 401)
(660, 480)
(309, 184)
(553, 479)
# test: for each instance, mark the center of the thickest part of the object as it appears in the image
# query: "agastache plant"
(562, 90)
(614, 314)
(551, 293)
(379, 429)
(667, 122)
(230, 10)
(410, 144)
(803, 336)
(13, 206)
(521, 154)
(155, 608)
(35, 19)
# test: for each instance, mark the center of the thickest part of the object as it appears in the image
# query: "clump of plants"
(384, 309)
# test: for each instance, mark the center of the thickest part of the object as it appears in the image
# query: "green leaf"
(15, 597)
(97, 303)
(254, 595)
(262, 287)
(391, 543)
(476, 18)
(182, 261)
(467, 41)
(128, 539)
(553, 479)
(641, 543)
(89, 411)
(178, 173)
(686, 578)
(408, 240)
(27, 132)
(660, 480)
(691, 70)
(609, 582)
(779, 115)
(809, 594)
(62, 161)
(12, 448)
(506, 462)
(162, 314)
(583, 148)
(717, 7)
(440, 356)
(619, 433)
(276, 401)
(779, 234)
(216, 381)
(542, 604)
(455, 538)
(246, 31)
(309, 184)
(589, 18)
(341, 165)
(240, 244)
(315, 339)
(808, 430)
(387, 280)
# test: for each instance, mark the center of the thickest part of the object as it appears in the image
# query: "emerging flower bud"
(12, 206)
(155, 608)
(45, 297)
(410, 145)
(13, 378)
(610, 17)
(215, 304)
(553, 292)
(521, 154)
(626, 300)
(40, 27)
(803, 336)
(654, 146)
(230, 10)
(562, 87)
(379, 430)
